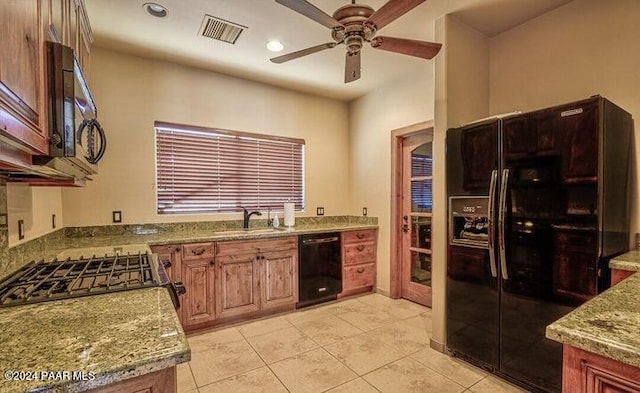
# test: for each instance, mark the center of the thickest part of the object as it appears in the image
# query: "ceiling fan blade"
(303, 52)
(352, 67)
(312, 12)
(424, 49)
(392, 10)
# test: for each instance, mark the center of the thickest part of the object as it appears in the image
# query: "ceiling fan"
(353, 25)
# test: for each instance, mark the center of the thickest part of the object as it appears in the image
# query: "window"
(202, 170)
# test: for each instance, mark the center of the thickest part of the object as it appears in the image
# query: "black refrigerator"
(538, 204)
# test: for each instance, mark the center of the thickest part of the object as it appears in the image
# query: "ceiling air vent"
(220, 29)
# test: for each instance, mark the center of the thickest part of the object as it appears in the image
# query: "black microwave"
(70, 101)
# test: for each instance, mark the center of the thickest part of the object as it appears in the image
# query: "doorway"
(412, 213)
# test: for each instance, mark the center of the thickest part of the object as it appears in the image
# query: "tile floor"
(365, 344)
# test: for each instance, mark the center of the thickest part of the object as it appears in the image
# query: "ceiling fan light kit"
(354, 24)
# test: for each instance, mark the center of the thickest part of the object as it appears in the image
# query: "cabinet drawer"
(197, 250)
(358, 276)
(359, 253)
(368, 235)
(236, 247)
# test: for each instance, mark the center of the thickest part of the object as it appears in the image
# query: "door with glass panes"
(417, 199)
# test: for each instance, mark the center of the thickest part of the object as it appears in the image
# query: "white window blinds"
(201, 170)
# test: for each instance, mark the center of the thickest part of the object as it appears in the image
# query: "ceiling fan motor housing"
(355, 31)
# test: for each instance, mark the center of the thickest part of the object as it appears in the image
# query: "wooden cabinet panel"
(359, 253)
(480, 141)
(163, 381)
(173, 254)
(618, 275)
(575, 265)
(586, 372)
(197, 251)
(197, 304)
(22, 83)
(236, 247)
(359, 250)
(279, 280)
(359, 276)
(237, 280)
(55, 20)
(519, 138)
(579, 127)
(467, 264)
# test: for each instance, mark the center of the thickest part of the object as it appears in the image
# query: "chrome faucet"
(247, 216)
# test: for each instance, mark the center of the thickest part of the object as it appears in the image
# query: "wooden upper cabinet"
(479, 142)
(518, 137)
(23, 112)
(579, 128)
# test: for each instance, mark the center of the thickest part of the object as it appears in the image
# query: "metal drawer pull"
(198, 252)
(360, 235)
(360, 270)
(360, 248)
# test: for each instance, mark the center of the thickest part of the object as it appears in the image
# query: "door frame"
(395, 257)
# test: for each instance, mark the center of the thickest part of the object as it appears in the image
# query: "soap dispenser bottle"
(276, 221)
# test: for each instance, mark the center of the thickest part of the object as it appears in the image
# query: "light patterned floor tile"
(281, 344)
(261, 380)
(363, 353)
(409, 376)
(223, 361)
(328, 330)
(345, 306)
(492, 384)
(186, 383)
(422, 321)
(313, 371)
(264, 326)
(306, 315)
(403, 336)
(455, 369)
(209, 340)
(368, 319)
(356, 386)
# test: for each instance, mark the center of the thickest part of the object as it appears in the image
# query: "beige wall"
(403, 102)
(133, 92)
(461, 96)
(584, 48)
(34, 205)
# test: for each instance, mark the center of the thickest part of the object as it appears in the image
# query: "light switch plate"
(117, 216)
(320, 211)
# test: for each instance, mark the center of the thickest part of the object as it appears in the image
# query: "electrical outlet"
(117, 216)
(320, 211)
(53, 221)
(20, 229)
(364, 211)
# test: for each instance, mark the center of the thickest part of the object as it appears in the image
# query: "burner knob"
(179, 287)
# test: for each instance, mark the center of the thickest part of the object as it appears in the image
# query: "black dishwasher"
(319, 268)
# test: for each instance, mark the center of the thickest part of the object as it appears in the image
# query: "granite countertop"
(149, 237)
(629, 261)
(607, 325)
(111, 336)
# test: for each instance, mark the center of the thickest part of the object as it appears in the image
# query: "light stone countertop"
(629, 261)
(140, 333)
(115, 336)
(607, 325)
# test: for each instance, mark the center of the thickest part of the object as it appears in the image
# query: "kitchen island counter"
(104, 339)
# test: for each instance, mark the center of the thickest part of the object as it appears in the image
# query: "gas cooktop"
(62, 279)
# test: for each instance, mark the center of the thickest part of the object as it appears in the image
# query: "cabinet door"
(170, 253)
(479, 155)
(575, 265)
(22, 72)
(237, 285)
(518, 138)
(197, 304)
(56, 12)
(279, 281)
(579, 129)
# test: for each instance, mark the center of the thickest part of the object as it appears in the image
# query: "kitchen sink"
(250, 231)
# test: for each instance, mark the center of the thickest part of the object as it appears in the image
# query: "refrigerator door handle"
(492, 253)
(501, 223)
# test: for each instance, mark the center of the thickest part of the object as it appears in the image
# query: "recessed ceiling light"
(275, 46)
(155, 9)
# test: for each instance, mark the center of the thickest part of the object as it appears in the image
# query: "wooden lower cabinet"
(618, 275)
(237, 282)
(163, 381)
(171, 256)
(197, 305)
(359, 251)
(586, 372)
(279, 278)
